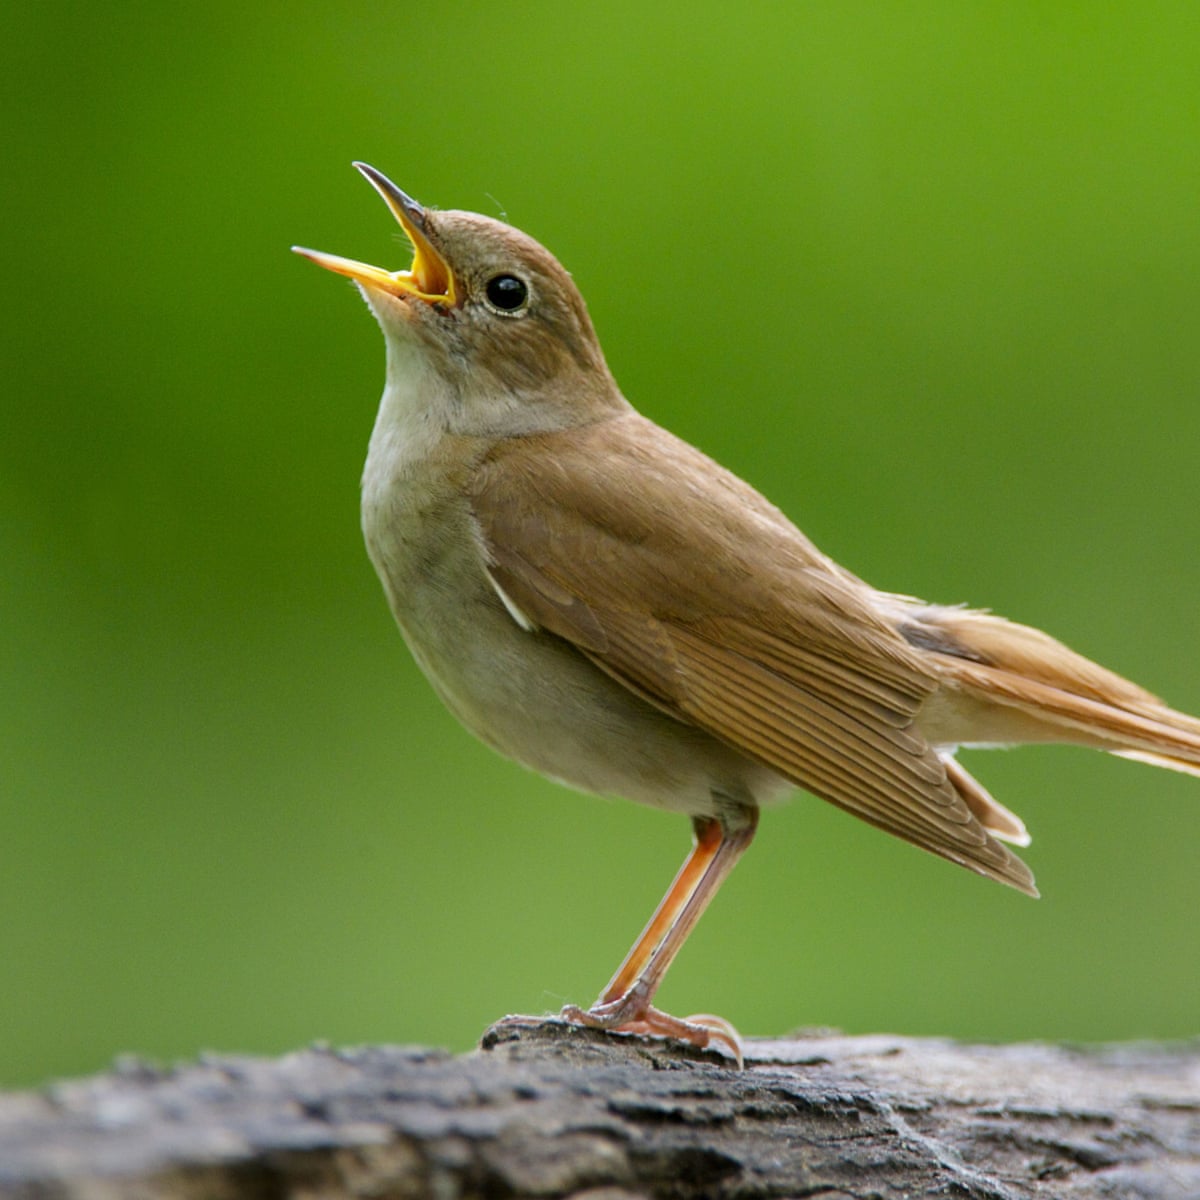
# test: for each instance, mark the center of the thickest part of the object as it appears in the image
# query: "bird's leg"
(625, 1003)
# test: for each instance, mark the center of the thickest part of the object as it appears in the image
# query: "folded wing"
(684, 584)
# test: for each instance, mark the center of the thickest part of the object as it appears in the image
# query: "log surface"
(549, 1110)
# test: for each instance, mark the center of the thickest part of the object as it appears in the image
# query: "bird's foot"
(623, 1016)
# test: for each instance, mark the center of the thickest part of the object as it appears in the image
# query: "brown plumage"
(601, 601)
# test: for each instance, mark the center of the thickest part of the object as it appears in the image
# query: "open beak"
(429, 278)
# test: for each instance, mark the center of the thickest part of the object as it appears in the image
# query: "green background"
(928, 275)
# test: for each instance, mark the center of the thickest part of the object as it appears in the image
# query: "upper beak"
(429, 278)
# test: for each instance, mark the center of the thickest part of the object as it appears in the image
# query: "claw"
(701, 1031)
(720, 1031)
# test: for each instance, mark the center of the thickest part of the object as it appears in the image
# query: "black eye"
(507, 293)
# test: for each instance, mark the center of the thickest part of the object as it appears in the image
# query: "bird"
(597, 599)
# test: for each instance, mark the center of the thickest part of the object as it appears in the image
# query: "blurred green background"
(928, 275)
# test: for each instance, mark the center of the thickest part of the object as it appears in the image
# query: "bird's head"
(487, 312)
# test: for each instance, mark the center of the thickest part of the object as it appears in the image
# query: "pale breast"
(529, 695)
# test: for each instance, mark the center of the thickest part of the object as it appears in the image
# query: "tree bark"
(548, 1110)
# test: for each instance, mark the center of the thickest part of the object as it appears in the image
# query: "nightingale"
(600, 601)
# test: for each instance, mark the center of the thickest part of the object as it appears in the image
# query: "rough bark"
(549, 1111)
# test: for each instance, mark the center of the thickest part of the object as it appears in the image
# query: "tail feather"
(1157, 733)
(1160, 760)
(1071, 698)
(999, 821)
(1004, 684)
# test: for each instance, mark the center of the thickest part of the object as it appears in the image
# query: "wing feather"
(681, 582)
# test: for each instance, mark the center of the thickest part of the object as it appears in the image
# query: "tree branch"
(549, 1110)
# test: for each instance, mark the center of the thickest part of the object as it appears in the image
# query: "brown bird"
(602, 602)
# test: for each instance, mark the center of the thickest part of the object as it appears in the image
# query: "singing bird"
(600, 601)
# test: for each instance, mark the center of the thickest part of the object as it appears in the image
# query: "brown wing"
(683, 583)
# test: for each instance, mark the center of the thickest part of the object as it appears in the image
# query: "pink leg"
(625, 1002)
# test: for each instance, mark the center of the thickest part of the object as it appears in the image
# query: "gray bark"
(548, 1110)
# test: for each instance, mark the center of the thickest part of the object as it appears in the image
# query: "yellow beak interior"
(429, 278)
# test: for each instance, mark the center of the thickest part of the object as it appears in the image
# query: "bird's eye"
(507, 293)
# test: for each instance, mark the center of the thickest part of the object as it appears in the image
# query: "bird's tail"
(1023, 686)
